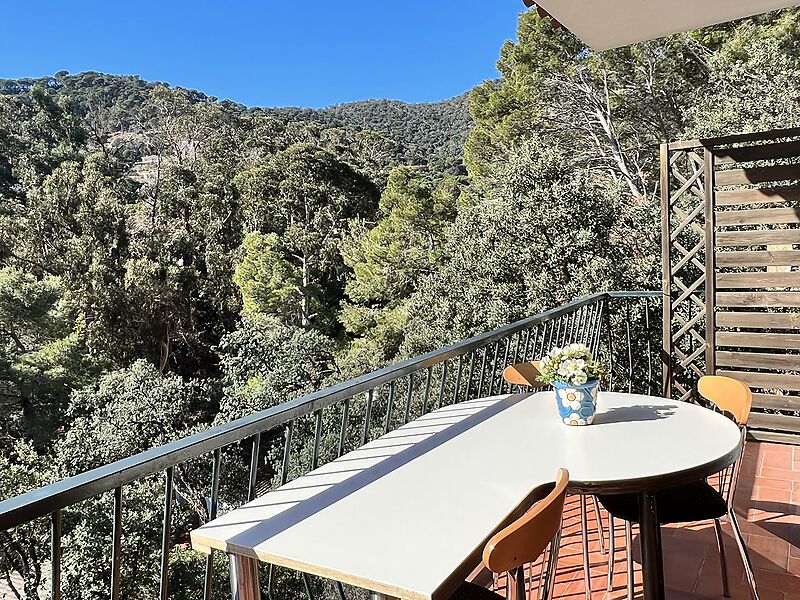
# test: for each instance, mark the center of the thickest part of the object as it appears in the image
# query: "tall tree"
(390, 259)
(306, 195)
(609, 110)
(754, 77)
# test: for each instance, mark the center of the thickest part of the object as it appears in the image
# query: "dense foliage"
(423, 133)
(169, 261)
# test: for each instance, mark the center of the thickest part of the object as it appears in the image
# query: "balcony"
(192, 480)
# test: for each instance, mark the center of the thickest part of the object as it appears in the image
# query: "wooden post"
(711, 298)
(666, 280)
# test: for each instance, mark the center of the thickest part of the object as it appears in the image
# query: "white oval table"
(408, 514)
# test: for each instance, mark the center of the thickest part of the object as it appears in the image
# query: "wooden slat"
(761, 237)
(758, 175)
(738, 138)
(758, 216)
(758, 280)
(756, 320)
(775, 422)
(739, 339)
(666, 272)
(710, 258)
(775, 401)
(759, 360)
(765, 299)
(766, 195)
(764, 258)
(773, 437)
(766, 381)
(750, 153)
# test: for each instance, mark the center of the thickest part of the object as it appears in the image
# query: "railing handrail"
(56, 496)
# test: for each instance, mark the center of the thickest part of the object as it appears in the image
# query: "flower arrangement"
(573, 364)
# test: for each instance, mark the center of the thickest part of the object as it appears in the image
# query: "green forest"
(170, 261)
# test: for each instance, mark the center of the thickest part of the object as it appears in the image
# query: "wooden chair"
(525, 375)
(522, 542)
(700, 501)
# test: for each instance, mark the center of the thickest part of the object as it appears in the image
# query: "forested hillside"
(424, 133)
(169, 261)
(433, 132)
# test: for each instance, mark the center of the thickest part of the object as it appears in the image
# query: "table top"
(408, 514)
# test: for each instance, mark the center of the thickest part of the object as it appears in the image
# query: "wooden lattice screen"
(731, 232)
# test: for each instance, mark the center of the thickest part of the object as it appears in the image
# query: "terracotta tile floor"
(768, 504)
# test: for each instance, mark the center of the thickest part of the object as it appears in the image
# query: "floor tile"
(777, 460)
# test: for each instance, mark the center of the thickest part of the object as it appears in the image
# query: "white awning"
(605, 24)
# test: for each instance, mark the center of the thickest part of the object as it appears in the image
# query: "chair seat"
(693, 502)
(473, 591)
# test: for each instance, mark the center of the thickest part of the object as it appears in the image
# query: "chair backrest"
(524, 374)
(727, 394)
(526, 538)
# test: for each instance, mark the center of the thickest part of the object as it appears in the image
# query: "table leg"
(379, 596)
(650, 534)
(244, 578)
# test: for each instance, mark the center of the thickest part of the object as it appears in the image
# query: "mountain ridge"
(430, 132)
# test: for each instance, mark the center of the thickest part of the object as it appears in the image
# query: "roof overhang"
(605, 24)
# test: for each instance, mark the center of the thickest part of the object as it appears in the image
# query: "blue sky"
(267, 52)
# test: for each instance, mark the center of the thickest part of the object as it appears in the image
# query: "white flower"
(572, 364)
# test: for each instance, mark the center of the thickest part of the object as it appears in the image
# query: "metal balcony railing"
(284, 442)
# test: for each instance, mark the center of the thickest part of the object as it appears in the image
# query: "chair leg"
(587, 580)
(611, 552)
(748, 566)
(723, 567)
(529, 579)
(600, 530)
(542, 572)
(519, 583)
(552, 568)
(629, 556)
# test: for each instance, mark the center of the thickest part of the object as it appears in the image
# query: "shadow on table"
(264, 530)
(627, 414)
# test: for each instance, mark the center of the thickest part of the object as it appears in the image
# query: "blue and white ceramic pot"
(576, 403)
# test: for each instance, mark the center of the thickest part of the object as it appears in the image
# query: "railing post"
(609, 342)
(629, 342)
(212, 514)
(253, 475)
(458, 379)
(367, 416)
(287, 452)
(409, 395)
(55, 556)
(116, 548)
(166, 533)
(343, 428)
(649, 342)
(389, 408)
